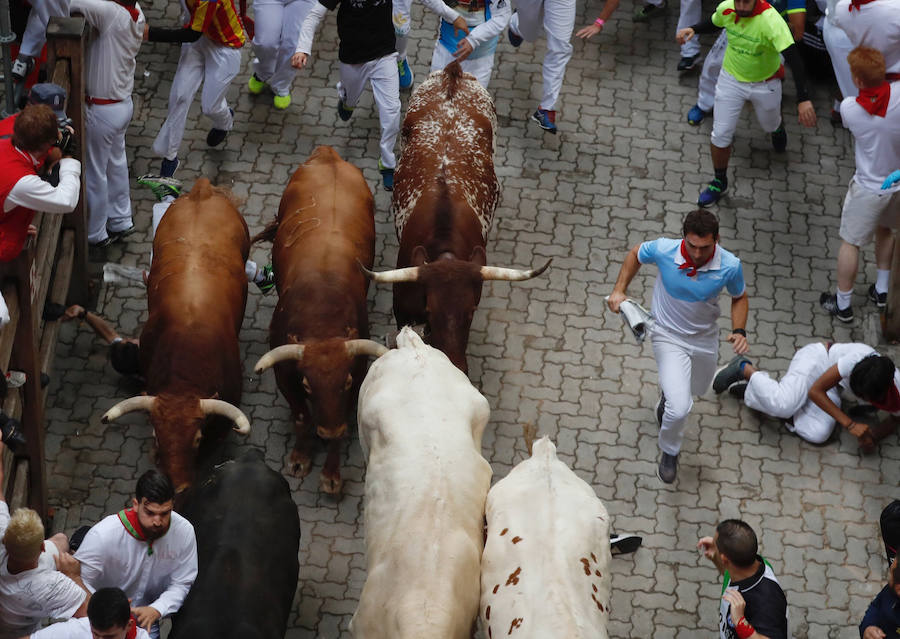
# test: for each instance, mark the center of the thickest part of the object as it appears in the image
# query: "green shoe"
(255, 85)
(162, 187)
(268, 282)
(281, 101)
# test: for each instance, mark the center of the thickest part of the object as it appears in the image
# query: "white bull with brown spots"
(545, 568)
(420, 426)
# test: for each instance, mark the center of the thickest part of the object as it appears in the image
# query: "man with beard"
(147, 550)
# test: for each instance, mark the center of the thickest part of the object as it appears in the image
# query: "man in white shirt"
(31, 587)
(874, 119)
(147, 550)
(117, 29)
(108, 617)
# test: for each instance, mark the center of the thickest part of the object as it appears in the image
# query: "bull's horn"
(279, 354)
(138, 402)
(408, 274)
(365, 347)
(511, 274)
(218, 407)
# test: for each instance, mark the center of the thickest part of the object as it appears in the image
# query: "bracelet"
(744, 629)
(739, 331)
(599, 22)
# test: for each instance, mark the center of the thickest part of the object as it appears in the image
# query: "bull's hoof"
(331, 485)
(298, 464)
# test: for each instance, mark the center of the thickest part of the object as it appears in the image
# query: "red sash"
(856, 4)
(875, 99)
(129, 520)
(688, 262)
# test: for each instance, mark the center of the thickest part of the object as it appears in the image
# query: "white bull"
(420, 426)
(545, 568)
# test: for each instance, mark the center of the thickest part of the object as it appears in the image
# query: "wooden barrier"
(52, 268)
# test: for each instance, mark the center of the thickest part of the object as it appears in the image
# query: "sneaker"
(217, 136)
(268, 281)
(406, 74)
(22, 66)
(624, 544)
(738, 390)
(514, 38)
(712, 193)
(643, 14)
(161, 187)
(546, 119)
(387, 176)
(695, 115)
(880, 299)
(281, 101)
(11, 433)
(828, 301)
(779, 139)
(729, 374)
(118, 236)
(102, 244)
(167, 169)
(668, 468)
(688, 62)
(15, 379)
(344, 112)
(660, 409)
(255, 85)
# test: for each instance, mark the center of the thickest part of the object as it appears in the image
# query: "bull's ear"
(478, 256)
(293, 338)
(352, 333)
(419, 256)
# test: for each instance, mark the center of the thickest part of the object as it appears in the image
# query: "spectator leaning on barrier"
(108, 617)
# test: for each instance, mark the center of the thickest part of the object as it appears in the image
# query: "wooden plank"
(891, 325)
(8, 334)
(45, 256)
(19, 495)
(58, 291)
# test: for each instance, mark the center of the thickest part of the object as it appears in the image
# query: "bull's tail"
(267, 234)
(454, 74)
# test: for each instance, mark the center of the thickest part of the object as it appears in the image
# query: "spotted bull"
(420, 427)
(325, 228)
(545, 568)
(190, 359)
(248, 535)
(445, 195)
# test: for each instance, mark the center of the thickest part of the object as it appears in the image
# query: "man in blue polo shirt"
(692, 273)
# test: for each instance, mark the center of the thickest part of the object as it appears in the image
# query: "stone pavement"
(624, 167)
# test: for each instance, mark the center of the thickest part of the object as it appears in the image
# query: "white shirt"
(113, 44)
(29, 597)
(111, 557)
(877, 139)
(75, 629)
(34, 193)
(876, 24)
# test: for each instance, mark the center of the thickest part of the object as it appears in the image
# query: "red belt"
(91, 100)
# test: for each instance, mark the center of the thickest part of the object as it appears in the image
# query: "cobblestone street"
(625, 167)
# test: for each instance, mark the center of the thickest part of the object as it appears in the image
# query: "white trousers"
(401, 19)
(686, 367)
(730, 98)
(557, 20)
(204, 62)
(481, 68)
(382, 75)
(839, 47)
(277, 29)
(35, 34)
(106, 168)
(789, 398)
(712, 65)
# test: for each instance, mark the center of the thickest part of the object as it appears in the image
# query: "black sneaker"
(779, 139)
(880, 299)
(738, 390)
(828, 301)
(624, 544)
(11, 433)
(688, 62)
(217, 136)
(729, 374)
(668, 468)
(660, 409)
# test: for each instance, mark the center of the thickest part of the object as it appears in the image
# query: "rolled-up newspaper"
(637, 319)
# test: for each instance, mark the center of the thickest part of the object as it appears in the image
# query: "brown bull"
(196, 294)
(324, 229)
(445, 195)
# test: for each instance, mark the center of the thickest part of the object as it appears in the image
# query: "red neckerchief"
(891, 402)
(688, 262)
(875, 99)
(130, 8)
(761, 5)
(856, 4)
(132, 632)
(129, 519)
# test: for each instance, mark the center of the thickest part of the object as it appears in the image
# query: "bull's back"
(545, 568)
(248, 536)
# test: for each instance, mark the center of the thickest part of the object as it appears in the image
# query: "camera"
(66, 142)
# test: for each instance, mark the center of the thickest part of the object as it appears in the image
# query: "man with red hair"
(874, 119)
